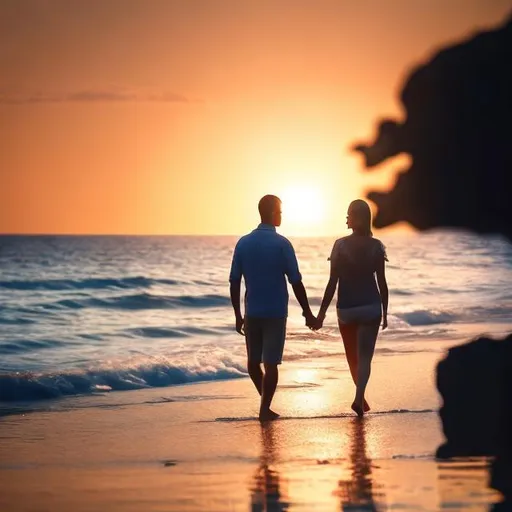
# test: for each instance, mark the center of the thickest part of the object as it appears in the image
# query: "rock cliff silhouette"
(458, 131)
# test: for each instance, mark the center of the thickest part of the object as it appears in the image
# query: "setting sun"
(303, 206)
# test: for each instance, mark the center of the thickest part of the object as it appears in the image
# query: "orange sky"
(176, 116)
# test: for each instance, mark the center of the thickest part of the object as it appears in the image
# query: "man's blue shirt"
(264, 258)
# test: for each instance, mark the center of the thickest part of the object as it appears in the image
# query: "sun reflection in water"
(359, 491)
(306, 376)
(268, 488)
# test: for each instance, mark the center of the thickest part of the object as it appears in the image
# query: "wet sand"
(200, 447)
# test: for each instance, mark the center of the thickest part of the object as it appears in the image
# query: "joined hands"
(313, 322)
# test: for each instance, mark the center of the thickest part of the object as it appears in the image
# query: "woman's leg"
(349, 333)
(349, 336)
(367, 336)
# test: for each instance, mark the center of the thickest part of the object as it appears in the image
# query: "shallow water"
(87, 314)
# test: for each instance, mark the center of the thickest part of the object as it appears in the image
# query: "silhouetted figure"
(264, 259)
(355, 261)
(458, 132)
(266, 493)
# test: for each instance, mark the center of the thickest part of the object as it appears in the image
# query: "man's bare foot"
(366, 406)
(268, 415)
(357, 409)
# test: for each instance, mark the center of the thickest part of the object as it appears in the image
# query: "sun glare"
(303, 207)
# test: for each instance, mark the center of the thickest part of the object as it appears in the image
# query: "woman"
(355, 260)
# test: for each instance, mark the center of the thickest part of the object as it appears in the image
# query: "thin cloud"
(92, 96)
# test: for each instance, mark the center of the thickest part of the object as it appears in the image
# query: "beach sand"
(200, 447)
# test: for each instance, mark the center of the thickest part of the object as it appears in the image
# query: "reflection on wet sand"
(358, 492)
(463, 485)
(267, 486)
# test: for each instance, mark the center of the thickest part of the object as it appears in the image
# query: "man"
(264, 258)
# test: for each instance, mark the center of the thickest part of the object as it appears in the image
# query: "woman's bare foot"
(268, 415)
(366, 406)
(357, 409)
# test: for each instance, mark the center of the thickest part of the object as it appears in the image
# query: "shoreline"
(39, 383)
(294, 373)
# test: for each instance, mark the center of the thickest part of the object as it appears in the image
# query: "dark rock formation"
(458, 131)
(475, 382)
(472, 381)
(501, 475)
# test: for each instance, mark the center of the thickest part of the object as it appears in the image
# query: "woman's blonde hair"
(360, 210)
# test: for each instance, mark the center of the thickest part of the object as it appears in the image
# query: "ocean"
(95, 314)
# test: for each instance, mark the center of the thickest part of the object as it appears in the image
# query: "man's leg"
(256, 375)
(254, 346)
(270, 380)
(274, 334)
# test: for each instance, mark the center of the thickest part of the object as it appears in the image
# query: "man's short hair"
(267, 205)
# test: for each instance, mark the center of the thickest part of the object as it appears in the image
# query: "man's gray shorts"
(264, 339)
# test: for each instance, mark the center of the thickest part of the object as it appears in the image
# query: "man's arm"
(234, 292)
(295, 279)
(235, 280)
(300, 293)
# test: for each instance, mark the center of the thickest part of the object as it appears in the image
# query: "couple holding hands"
(264, 259)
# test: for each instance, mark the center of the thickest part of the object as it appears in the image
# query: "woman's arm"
(331, 284)
(328, 295)
(330, 289)
(383, 289)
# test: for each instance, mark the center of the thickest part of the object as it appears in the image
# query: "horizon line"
(144, 234)
(291, 235)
